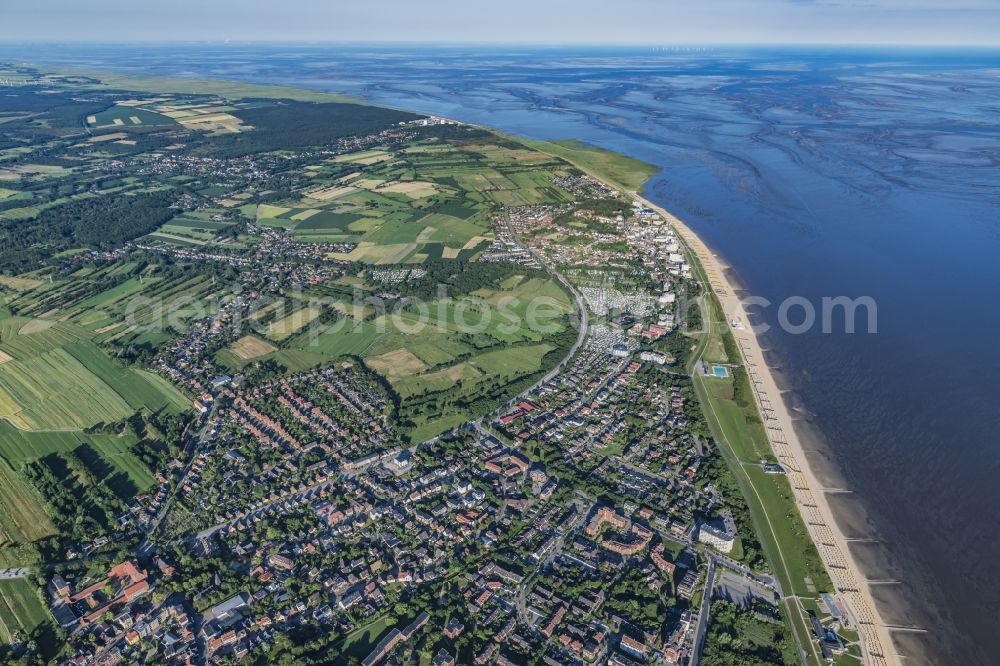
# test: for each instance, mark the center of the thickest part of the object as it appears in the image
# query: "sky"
(948, 22)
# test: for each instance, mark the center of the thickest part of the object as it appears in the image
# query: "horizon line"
(498, 43)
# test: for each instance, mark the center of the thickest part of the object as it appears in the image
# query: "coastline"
(810, 498)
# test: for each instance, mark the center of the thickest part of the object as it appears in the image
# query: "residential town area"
(323, 463)
(579, 524)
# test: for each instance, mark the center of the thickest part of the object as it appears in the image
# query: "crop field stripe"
(139, 389)
(22, 515)
(57, 391)
(20, 606)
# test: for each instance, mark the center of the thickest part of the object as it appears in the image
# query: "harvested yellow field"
(201, 119)
(397, 363)
(365, 224)
(9, 407)
(213, 109)
(369, 183)
(4, 357)
(473, 242)
(449, 252)
(109, 327)
(174, 237)
(177, 115)
(414, 189)
(114, 136)
(328, 193)
(91, 120)
(36, 326)
(261, 312)
(135, 120)
(366, 157)
(403, 251)
(267, 210)
(19, 283)
(249, 347)
(118, 121)
(220, 123)
(368, 161)
(373, 253)
(306, 214)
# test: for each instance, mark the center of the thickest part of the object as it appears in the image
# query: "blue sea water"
(812, 173)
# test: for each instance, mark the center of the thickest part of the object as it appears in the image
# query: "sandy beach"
(809, 493)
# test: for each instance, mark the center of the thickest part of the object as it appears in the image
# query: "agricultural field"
(22, 517)
(13, 195)
(54, 382)
(429, 200)
(121, 115)
(625, 172)
(74, 386)
(120, 304)
(250, 347)
(117, 468)
(448, 329)
(287, 326)
(195, 229)
(21, 609)
(188, 235)
(446, 351)
(18, 283)
(19, 447)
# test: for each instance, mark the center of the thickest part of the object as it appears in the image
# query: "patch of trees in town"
(743, 637)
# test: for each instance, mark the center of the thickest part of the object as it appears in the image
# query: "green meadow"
(21, 608)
